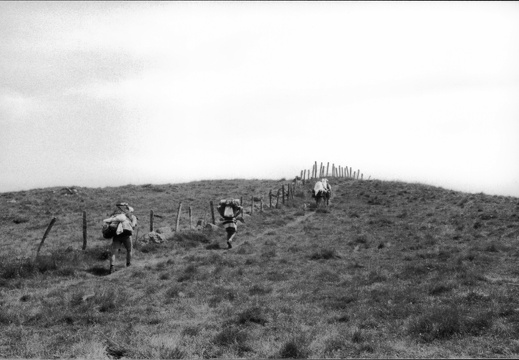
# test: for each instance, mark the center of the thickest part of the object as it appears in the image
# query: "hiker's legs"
(129, 249)
(115, 246)
(231, 232)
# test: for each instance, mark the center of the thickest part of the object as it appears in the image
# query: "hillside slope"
(390, 269)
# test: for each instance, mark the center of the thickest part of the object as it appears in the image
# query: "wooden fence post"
(362, 176)
(261, 204)
(270, 198)
(327, 168)
(251, 205)
(304, 176)
(277, 199)
(212, 212)
(351, 172)
(358, 174)
(45, 236)
(283, 192)
(151, 220)
(178, 217)
(84, 230)
(241, 201)
(190, 219)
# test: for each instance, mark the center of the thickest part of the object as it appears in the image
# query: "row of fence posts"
(285, 193)
(337, 172)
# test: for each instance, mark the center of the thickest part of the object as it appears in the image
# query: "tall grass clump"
(294, 348)
(438, 323)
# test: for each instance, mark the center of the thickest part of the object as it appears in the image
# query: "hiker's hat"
(130, 209)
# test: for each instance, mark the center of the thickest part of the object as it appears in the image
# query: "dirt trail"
(141, 263)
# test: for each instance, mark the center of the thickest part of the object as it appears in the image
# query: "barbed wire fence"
(277, 198)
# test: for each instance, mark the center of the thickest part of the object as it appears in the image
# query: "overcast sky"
(112, 93)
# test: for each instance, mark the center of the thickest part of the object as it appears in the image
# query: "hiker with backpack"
(229, 210)
(120, 227)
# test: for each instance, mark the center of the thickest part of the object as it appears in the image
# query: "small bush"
(230, 336)
(437, 324)
(191, 331)
(259, 290)
(357, 337)
(165, 276)
(438, 289)
(477, 326)
(324, 254)
(173, 291)
(294, 349)
(251, 315)
(342, 302)
(188, 273)
(110, 300)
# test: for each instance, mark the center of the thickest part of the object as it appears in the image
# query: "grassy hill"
(390, 269)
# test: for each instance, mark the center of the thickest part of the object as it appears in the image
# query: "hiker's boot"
(112, 269)
(229, 245)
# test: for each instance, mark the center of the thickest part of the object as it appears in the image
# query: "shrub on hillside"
(295, 348)
(233, 337)
(438, 323)
(259, 290)
(324, 254)
(252, 315)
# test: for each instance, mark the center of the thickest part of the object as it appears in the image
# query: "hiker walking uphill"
(120, 227)
(229, 210)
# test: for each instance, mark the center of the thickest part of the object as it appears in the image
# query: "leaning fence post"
(84, 231)
(45, 236)
(190, 219)
(252, 205)
(212, 211)
(178, 216)
(151, 220)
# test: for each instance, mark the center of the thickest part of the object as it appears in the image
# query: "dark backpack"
(109, 230)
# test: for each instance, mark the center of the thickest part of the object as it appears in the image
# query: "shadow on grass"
(99, 271)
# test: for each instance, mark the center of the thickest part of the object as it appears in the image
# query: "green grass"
(390, 269)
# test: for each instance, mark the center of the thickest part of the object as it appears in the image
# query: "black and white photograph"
(259, 179)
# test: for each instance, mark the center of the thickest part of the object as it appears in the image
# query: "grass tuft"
(324, 254)
(294, 348)
(252, 315)
(438, 323)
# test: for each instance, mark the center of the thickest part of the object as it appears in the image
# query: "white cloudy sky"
(114, 93)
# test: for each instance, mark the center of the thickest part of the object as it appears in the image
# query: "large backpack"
(109, 229)
(228, 208)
